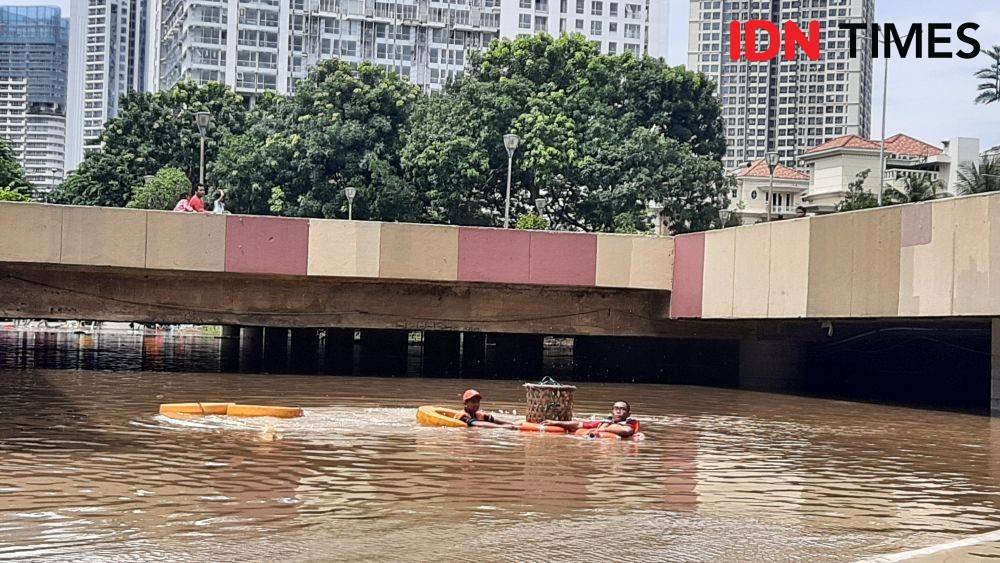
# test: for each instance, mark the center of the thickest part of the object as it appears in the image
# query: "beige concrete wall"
(972, 257)
(926, 278)
(750, 276)
(30, 233)
(614, 260)
(831, 240)
(102, 236)
(717, 277)
(344, 248)
(789, 273)
(652, 264)
(874, 240)
(185, 241)
(421, 252)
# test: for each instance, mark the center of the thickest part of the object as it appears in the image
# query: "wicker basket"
(549, 402)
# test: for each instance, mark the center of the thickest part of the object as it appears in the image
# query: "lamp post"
(657, 210)
(350, 193)
(881, 148)
(724, 215)
(772, 163)
(202, 118)
(540, 205)
(510, 142)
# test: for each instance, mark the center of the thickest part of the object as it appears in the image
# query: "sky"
(931, 99)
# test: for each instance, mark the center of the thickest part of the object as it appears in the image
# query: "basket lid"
(548, 383)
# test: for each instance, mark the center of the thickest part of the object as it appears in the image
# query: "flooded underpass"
(89, 466)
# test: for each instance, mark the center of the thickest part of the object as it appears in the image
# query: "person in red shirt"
(619, 422)
(472, 416)
(195, 201)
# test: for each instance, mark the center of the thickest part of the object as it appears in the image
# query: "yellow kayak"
(262, 410)
(194, 408)
(439, 416)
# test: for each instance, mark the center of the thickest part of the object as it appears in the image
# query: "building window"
(596, 8)
(524, 21)
(579, 24)
(595, 28)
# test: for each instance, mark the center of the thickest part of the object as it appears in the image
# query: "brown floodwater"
(88, 468)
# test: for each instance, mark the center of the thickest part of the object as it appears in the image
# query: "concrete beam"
(64, 292)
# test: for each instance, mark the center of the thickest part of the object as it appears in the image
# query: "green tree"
(601, 135)
(161, 191)
(914, 189)
(857, 196)
(342, 128)
(11, 172)
(977, 178)
(532, 222)
(989, 85)
(154, 131)
(11, 195)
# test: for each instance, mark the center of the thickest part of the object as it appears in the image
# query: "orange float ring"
(262, 410)
(533, 427)
(597, 433)
(439, 416)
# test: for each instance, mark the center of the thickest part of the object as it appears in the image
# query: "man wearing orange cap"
(475, 417)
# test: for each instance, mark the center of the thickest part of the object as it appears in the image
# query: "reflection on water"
(88, 466)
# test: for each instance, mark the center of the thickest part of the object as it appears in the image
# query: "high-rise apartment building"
(107, 60)
(784, 106)
(258, 45)
(34, 51)
(14, 113)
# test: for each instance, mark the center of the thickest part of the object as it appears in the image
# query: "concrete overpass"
(761, 293)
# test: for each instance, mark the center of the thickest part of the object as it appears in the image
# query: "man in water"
(618, 423)
(472, 416)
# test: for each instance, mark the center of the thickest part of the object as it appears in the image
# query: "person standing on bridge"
(182, 204)
(472, 416)
(195, 201)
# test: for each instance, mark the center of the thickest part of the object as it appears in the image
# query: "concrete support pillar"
(442, 357)
(251, 348)
(383, 352)
(305, 350)
(517, 356)
(473, 354)
(275, 349)
(995, 368)
(339, 351)
(229, 349)
(772, 365)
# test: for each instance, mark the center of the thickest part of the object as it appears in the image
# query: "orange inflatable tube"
(596, 433)
(533, 427)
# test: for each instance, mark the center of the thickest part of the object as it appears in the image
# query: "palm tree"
(976, 178)
(915, 188)
(989, 88)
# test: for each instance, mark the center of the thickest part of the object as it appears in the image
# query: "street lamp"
(510, 142)
(540, 205)
(724, 215)
(350, 193)
(202, 119)
(772, 163)
(657, 210)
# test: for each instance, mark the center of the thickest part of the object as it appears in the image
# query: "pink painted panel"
(493, 255)
(689, 269)
(267, 245)
(563, 259)
(917, 222)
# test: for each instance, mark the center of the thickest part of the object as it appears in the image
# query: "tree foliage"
(342, 128)
(857, 196)
(154, 131)
(532, 222)
(601, 136)
(989, 85)
(161, 191)
(977, 178)
(11, 172)
(915, 189)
